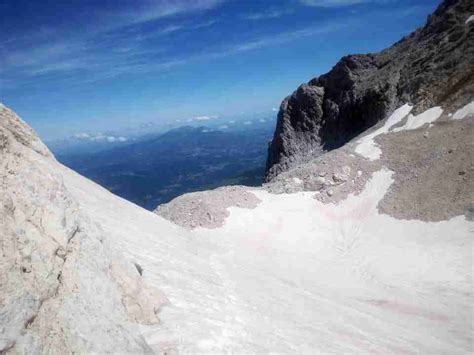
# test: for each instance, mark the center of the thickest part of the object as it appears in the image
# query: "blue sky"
(80, 65)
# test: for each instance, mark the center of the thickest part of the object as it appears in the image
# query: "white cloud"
(274, 109)
(171, 28)
(248, 122)
(204, 118)
(99, 137)
(337, 3)
(262, 120)
(268, 14)
(224, 126)
(87, 58)
(82, 135)
(147, 10)
(280, 38)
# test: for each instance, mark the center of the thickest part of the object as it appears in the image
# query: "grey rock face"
(432, 66)
(64, 288)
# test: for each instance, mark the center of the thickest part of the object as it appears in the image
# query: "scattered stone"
(208, 209)
(346, 170)
(338, 177)
(426, 187)
(315, 183)
(139, 268)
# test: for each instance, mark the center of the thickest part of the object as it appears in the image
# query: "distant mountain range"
(157, 168)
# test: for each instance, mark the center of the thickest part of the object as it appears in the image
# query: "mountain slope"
(81, 267)
(64, 286)
(433, 66)
(366, 248)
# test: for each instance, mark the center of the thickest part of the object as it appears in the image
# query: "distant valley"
(157, 168)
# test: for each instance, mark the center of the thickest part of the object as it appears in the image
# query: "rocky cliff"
(432, 66)
(64, 287)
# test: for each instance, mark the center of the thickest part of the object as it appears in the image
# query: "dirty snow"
(414, 122)
(294, 275)
(464, 111)
(366, 145)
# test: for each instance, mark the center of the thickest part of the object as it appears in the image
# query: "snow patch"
(414, 122)
(366, 145)
(295, 275)
(464, 111)
(471, 18)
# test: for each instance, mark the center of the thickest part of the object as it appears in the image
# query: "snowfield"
(292, 275)
(367, 147)
(295, 275)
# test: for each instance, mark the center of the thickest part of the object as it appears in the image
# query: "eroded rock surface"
(63, 286)
(433, 168)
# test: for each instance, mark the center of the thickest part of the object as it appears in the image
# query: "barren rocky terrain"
(431, 66)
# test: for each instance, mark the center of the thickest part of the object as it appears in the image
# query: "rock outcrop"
(432, 66)
(64, 288)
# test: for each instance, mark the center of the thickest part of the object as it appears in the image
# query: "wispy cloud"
(204, 118)
(336, 3)
(147, 11)
(268, 14)
(284, 37)
(99, 137)
(100, 60)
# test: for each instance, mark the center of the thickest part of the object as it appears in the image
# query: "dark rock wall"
(432, 66)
